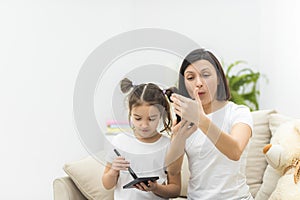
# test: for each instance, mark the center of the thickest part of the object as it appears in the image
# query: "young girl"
(143, 150)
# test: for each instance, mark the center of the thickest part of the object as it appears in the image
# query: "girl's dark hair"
(149, 94)
(223, 92)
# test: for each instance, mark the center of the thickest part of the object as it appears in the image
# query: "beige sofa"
(83, 180)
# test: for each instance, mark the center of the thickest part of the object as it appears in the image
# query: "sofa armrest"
(65, 189)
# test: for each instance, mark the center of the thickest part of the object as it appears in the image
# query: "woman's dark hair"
(223, 92)
(149, 94)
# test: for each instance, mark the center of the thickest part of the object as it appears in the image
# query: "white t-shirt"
(146, 159)
(213, 175)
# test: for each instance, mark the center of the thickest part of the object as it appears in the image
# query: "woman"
(215, 149)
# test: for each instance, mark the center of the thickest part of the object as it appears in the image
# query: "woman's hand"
(188, 109)
(184, 129)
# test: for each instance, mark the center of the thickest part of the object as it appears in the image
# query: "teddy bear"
(283, 154)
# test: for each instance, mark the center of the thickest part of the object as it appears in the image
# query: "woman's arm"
(231, 145)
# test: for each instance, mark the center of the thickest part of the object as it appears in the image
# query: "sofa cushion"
(256, 162)
(64, 188)
(275, 120)
(87, 176)
(271, 176)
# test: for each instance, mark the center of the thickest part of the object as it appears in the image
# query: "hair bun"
(170, 91)
(126, 85)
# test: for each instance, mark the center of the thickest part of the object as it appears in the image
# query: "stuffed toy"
(283, 154)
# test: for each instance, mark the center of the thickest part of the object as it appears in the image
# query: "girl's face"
(202, 74)
(145, 119)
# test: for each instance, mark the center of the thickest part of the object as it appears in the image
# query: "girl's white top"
(146, 159)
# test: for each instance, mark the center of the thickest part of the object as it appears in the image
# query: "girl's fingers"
(116, 167)
(120, 164)
(121, 160)
(123, 165)
(151, 184)
(145, 187)
(137, 186)
(140, 186)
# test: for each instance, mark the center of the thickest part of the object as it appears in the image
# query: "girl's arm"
(112, 171)
(109, 177)
(174, 156)
(171, 190)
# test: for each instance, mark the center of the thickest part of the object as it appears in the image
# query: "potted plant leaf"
(243, 85)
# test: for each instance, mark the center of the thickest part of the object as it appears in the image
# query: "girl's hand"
(119, 163)
(188, 109)
(147, 188)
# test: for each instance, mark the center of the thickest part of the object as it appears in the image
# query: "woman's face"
(202, 74)
(145, 119)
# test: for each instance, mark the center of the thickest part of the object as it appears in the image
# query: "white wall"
(42, 46)
(44, 43)
(229, 28)
(280, 55)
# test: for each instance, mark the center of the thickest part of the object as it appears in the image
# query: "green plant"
(243, 85)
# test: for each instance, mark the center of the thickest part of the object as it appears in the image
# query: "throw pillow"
(87, 176)
(256, 162)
